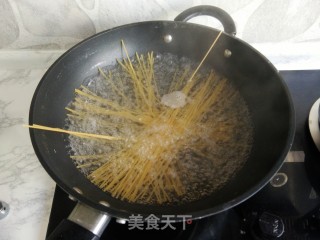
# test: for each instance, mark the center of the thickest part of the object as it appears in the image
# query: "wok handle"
(68, 230)
(226, 20)
(84, 223)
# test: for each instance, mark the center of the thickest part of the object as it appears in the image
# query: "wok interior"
(258, 82)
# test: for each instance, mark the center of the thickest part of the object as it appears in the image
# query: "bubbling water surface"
(206, 162)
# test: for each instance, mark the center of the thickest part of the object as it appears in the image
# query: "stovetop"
(288, 207)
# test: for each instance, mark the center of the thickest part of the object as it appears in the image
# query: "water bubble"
(209, 159)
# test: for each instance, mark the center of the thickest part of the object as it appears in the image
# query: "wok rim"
(118, 213)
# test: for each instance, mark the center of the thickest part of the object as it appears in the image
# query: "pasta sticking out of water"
(173, 151)
(164, 150)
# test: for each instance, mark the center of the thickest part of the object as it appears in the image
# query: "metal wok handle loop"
(84, 222)
(226, 20)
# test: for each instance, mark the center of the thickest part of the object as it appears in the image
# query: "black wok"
(258, 81)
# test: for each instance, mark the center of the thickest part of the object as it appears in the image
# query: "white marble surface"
(24, 185)
(59, 24)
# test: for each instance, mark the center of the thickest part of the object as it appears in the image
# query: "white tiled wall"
(59, 24)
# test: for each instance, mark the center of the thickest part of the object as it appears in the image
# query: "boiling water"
(201, 173)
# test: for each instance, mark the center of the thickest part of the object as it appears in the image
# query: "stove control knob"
(4, 209)
(271, 225)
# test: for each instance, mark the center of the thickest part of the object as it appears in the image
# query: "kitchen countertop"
(24, 184)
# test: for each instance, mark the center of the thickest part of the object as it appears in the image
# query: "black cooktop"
(286, 208)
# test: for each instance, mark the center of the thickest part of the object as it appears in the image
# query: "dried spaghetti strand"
(78, 134)
(205, 56)
(190, 81)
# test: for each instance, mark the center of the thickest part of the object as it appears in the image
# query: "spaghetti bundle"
(154, 139)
